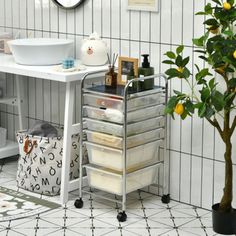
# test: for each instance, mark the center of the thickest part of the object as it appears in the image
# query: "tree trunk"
(226, 201)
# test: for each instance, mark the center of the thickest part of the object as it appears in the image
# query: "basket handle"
(26, 146)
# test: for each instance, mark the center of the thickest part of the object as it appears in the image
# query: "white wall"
(196, 151)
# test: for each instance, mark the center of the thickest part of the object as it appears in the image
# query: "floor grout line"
(150, 212)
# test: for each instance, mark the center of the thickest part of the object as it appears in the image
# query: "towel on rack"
(113, 114)
(43, 129)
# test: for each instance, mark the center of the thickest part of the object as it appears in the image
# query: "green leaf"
(218, 100)
(197, 67)
(200, 51)
(184, 115)
(229, 97)
(186, 73)
(205, 94)
(168, 110)
(177, 92)
(212, 83)
(232, 83)
(228, 69)
(228, 33)
(179, 49)
(170, 54)
(208, 9)
(178, 61)
(203, 58)
(171, 105)
(202, 81)
(211, 22)
(202, 110)
(200, 13)
(231, 2)
(168, 62)
(209, 112)
(172, 73)
(203, 73)
(198, 105)
(189, 106)
(210, 47)
(198, 42)
(185, 61)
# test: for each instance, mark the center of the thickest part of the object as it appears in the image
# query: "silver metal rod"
(100, 196)
(124, 150)
(86, 75)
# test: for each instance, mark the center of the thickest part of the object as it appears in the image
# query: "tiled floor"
(146, 216)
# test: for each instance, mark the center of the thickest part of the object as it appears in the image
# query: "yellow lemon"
(227, 6)
(234, 54)
(180, 70)
(179, 109)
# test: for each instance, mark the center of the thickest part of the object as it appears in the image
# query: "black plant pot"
(223, 222)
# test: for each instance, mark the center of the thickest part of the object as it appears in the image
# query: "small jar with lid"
(111, 78)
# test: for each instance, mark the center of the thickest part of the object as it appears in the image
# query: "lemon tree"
(217, 47)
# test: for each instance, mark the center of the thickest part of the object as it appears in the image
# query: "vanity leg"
(20, 102)
(68, 119)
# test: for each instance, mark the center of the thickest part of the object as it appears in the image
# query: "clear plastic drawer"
(111, 182)
(113, 158)
(117, 142)
(118, 104)
(132, 129)
(116, 116)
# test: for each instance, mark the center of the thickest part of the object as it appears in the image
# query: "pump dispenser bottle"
(146, 70)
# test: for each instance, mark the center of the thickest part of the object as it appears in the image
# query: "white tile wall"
(196, 152)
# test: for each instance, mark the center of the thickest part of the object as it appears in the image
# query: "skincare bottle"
(111, 78)
(144, 71)
(134, 85)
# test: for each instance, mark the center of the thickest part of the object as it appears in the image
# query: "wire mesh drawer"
(111, 182)
(113, 158)
(116, 103)
(132, 129)
(116, 116)
(117, 142)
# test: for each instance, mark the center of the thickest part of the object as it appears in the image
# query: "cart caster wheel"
(79, 203)
(122, 217)
(165, 198)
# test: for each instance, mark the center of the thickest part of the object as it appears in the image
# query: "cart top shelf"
(118, 92)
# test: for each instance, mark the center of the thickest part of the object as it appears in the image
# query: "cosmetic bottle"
(111, 78)
(133, 87)
(144, 71)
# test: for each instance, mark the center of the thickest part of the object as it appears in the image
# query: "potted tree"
(212, 92)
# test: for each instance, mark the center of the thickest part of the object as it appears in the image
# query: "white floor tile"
(194, 231)
(139, 232)
(115, 233)
(147, 215)
(137, 225)
(171, 233)
(11, 233)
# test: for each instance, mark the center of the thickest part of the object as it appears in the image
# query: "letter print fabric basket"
(40, 162)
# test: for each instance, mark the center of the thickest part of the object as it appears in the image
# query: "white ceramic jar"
(94, 51)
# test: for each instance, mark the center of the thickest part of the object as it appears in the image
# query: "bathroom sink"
(41, 51)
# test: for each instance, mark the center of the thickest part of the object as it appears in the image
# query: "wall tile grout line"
(196, 159)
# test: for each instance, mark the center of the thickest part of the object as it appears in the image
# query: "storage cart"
(126, 131)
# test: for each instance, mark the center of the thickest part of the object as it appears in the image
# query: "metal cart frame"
(165, 162)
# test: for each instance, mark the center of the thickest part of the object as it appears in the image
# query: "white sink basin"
(41, 51)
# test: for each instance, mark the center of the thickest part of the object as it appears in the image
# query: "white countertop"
(8, 65)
